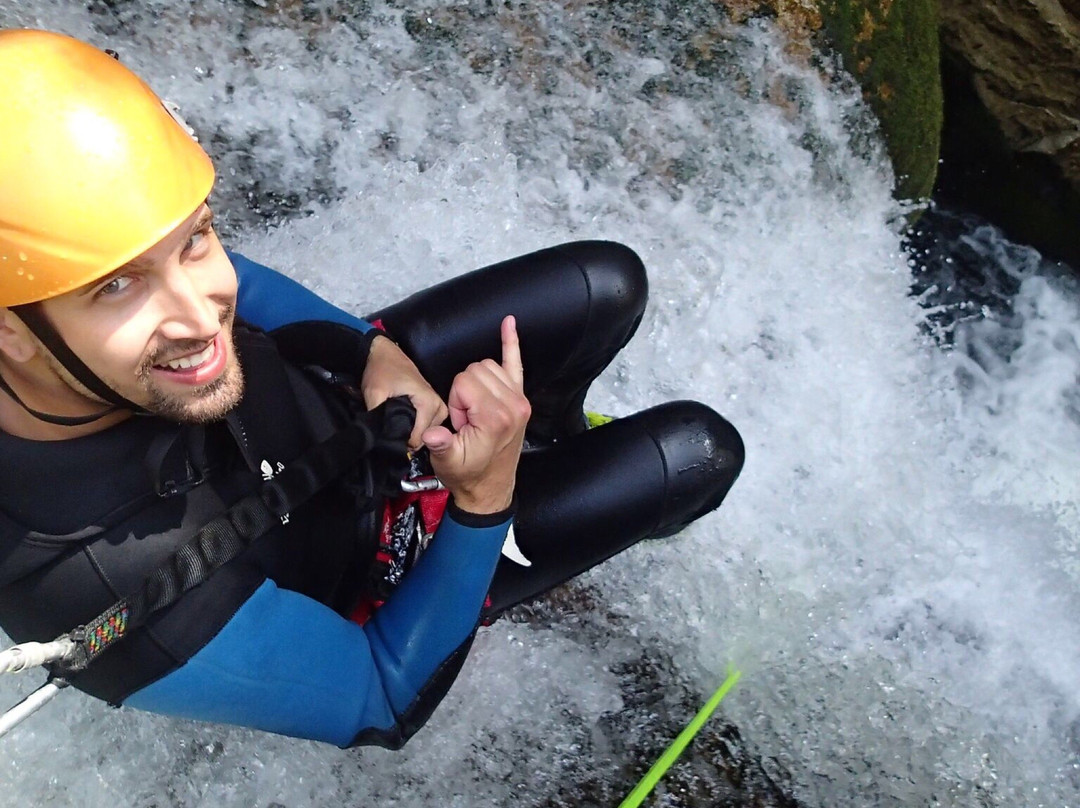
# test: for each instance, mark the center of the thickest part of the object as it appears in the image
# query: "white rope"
(31, 654)
(28, 706)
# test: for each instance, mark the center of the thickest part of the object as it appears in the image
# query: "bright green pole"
(652, 777)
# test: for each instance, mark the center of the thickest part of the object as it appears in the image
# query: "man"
(227, 510)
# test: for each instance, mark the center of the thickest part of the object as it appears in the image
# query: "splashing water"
(897, 570)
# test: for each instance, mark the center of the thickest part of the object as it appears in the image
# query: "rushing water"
(897, 572)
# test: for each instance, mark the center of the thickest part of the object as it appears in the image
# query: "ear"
(16, 341)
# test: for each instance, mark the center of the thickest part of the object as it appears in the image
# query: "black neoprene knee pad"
(703, 456)
(614, 293)
(618, 288)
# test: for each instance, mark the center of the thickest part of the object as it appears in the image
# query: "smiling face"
(158, 330)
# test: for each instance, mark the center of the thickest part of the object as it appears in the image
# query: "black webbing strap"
(216, 543)
(226, 536)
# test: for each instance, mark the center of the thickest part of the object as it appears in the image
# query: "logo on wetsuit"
(268, 473)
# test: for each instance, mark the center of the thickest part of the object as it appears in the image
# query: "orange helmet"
(94, 170)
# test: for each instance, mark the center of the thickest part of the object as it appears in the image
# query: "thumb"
(438, 439)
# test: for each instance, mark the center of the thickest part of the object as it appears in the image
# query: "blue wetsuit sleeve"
(270, 300)
(288, 664)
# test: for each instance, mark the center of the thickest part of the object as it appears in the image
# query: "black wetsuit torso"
(84, 521)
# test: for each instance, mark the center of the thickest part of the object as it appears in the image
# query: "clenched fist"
(389, 372)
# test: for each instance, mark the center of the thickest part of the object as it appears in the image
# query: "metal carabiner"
(423, 484)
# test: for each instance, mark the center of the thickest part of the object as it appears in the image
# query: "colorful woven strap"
(107, 629)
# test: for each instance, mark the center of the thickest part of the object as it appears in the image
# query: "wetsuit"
(263, 642)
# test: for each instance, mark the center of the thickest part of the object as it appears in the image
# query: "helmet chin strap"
(59, 420)
(36, 320)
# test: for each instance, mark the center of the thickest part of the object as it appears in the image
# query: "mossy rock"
(891, 47)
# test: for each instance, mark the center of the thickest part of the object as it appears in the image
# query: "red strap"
(432, 509)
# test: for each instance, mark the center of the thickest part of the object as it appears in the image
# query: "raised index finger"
(511, 351)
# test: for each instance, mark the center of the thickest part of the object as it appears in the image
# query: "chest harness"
(371, 446)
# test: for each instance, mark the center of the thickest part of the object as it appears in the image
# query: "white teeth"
(193, 361)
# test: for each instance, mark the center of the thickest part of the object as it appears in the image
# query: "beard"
(198, 405)
(201, 405)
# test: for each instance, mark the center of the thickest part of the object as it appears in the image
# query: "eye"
(115, 286)
(198, 242)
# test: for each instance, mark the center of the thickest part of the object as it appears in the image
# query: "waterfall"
(896, 573)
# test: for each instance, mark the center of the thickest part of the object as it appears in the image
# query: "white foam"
(895, 571)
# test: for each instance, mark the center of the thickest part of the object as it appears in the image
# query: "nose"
(188, 310)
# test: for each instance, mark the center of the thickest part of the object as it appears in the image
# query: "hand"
(389, 372)
(478, 462)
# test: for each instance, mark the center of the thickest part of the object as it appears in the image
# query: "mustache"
(180, 347)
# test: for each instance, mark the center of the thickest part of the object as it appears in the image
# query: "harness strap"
(226, 536)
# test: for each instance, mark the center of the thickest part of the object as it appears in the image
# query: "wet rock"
(891, 48)
(1012, 140)
(1024, 63)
